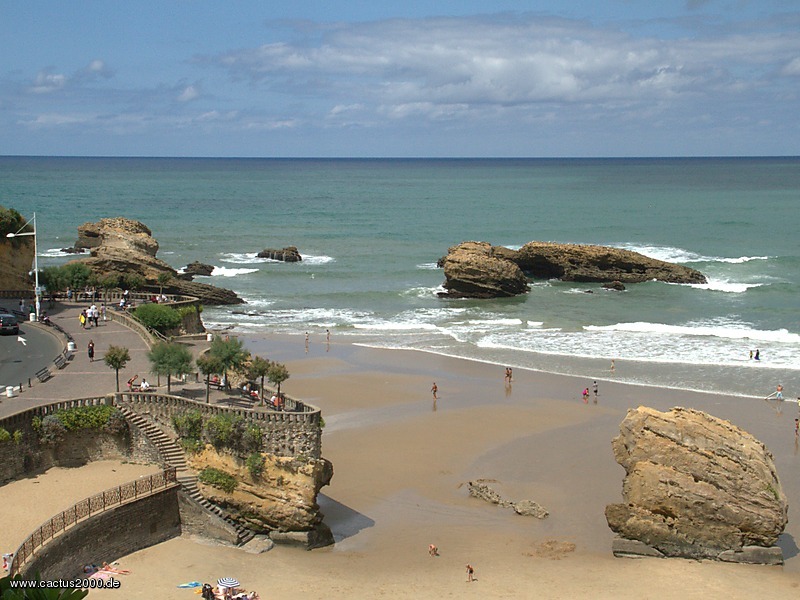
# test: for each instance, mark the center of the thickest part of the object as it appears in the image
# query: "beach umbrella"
(228, 582)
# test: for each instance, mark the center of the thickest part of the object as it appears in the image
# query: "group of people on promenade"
(91, 316)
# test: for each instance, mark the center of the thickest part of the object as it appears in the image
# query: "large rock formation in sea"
(288, 254)
(476, 270)
(480, 270)
(120, 246)
(695, 486)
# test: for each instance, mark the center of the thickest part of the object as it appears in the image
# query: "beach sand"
(401, 465)
(55, 490)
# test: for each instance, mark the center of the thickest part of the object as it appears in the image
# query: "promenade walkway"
(82, 378)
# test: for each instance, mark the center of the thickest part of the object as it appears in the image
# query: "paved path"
(82, 378)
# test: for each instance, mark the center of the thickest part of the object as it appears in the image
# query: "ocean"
(371, 230)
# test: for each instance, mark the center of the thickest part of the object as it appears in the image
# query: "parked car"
(8, 324)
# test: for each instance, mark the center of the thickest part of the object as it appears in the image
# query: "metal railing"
(111, 498)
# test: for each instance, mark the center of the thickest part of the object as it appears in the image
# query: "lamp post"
(35, 259)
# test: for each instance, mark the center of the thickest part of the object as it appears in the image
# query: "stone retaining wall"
(285, 433)
(78, 448)
(110, 535)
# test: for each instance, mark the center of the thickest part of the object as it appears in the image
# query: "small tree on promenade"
(259, 369)
(116, 357)
(230, 353)
(208, 365)
(169, 359)
(277, 374)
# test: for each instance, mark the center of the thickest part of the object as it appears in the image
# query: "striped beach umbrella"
(228, 582)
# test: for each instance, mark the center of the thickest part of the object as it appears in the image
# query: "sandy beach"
(401, 461)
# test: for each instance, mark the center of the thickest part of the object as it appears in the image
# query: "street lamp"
(35, 258)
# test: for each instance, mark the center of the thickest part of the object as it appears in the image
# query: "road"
(19, 362)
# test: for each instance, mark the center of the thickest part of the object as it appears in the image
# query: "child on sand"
(433, 550)
(470, 573)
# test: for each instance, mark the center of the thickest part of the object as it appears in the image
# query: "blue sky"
(430, 79)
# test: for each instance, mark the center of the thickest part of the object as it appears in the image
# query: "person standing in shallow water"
(434, 390)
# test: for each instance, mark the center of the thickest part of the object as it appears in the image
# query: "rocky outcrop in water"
(697, 487)
(288, 254)
(480, 270)
(475, 270)
(120, 246)
(198, 268)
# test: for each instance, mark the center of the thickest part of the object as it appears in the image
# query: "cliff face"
(16, 261)
(282, 498)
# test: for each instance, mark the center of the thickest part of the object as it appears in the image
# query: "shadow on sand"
(343, 521)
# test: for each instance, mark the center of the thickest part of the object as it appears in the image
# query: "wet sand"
(401, 462)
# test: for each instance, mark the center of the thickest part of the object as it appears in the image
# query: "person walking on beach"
(595, 390)
(796, 428)
(613, 366)
(470, 574)
(90, 350)
(434, 390)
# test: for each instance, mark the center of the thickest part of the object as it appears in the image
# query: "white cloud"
(792, 68)
(47, 82)
(189, 93)
(488, 63)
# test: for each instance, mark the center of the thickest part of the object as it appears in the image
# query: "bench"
(60, 361)
(43, 374)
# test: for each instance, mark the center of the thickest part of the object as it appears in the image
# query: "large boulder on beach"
(120, 246)
(480, 270)
(696, 486)
(473, 270)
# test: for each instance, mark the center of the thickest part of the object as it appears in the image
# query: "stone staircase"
(174, 456)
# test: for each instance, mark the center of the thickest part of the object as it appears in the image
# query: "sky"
(435, 78)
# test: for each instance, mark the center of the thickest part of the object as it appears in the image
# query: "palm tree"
(116, 358)
(259, 369)
(231, 354)
(169, 358)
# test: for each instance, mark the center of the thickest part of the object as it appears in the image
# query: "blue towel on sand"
(191, 584)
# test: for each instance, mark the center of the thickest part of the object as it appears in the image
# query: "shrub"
(188, 425)
(190, 445)
(252, 438)
(17, 435)
(220, 430)
(36, 423)
(10, 221)
(5, 436)
(88, 417)
(158, 316)
(219, 479)
(255, 464)
(52, 430)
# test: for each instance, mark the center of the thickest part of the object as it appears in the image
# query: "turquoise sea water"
(371, 231)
